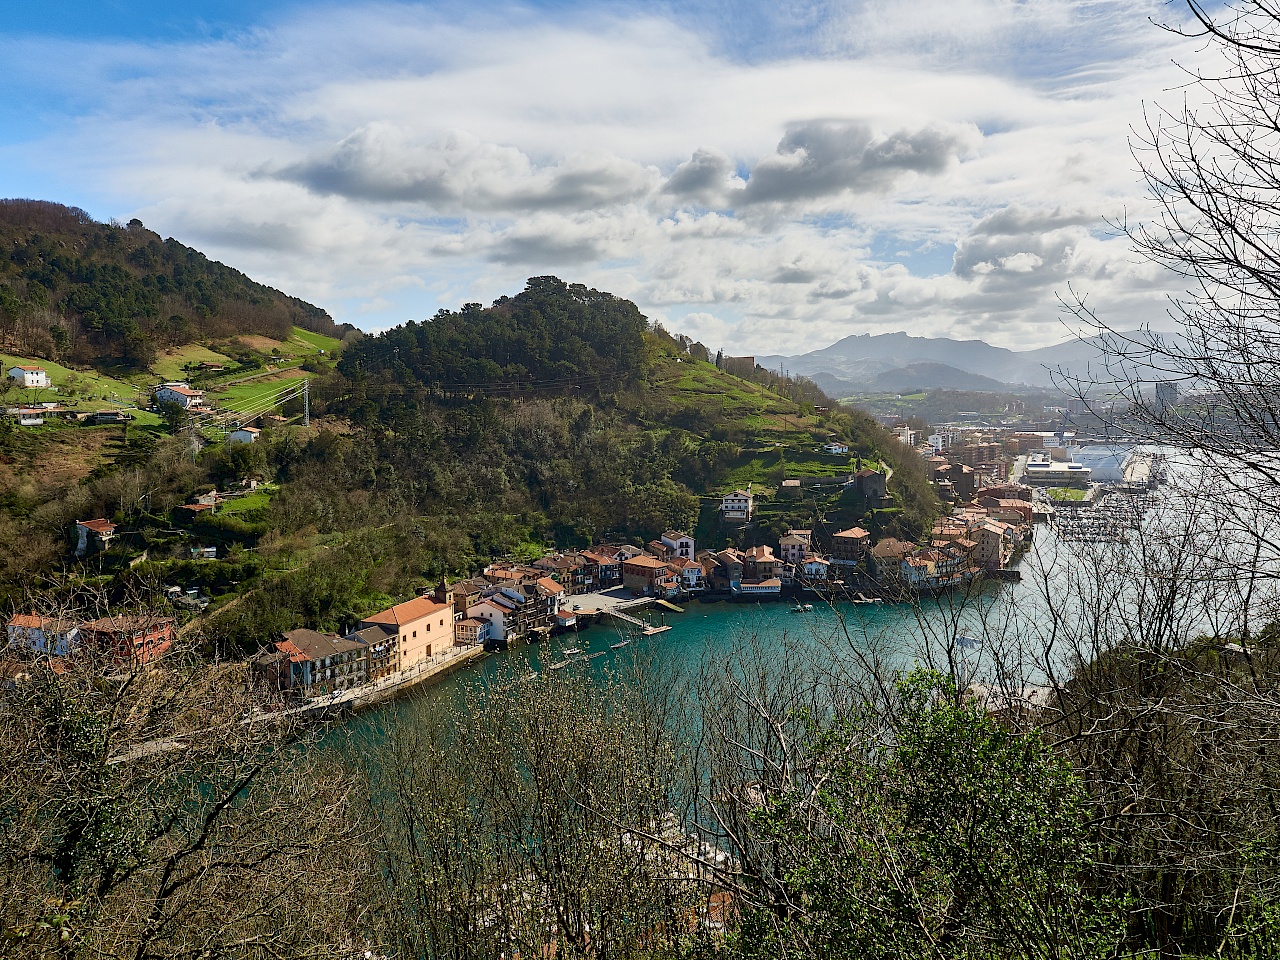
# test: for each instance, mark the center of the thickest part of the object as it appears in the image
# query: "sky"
(763, 177)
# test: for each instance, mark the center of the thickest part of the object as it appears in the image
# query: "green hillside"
(554, 418)
(86, 293)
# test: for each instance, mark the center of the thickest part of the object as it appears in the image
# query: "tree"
(143, 818)
(523, 821)
(906, 822)
(175, 415)
(1212, 166)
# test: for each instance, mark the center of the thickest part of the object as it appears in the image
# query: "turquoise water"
(898, 635)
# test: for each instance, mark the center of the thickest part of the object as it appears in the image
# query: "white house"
(737, 506)
(690, 573)
(31, 417)
(42, 635)
(493, 612)
(906, 436)
(181, 394)
(836, 447)
(244, 435)
(680, 544)
(816, 568)
(29, 376)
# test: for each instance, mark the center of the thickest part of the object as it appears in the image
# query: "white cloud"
(383, 161)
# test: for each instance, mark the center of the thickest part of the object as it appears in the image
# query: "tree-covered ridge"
(81, 291)
(554, 337)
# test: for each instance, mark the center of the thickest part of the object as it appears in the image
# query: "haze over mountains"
(897, 362)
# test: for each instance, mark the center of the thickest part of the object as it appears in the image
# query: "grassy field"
(1067, 493)
(254, 394)
(258, 500)
(316, 341)
(73, 385)
(697, 390)
(169, 365)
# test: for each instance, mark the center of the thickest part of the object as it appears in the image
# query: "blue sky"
(767, 177)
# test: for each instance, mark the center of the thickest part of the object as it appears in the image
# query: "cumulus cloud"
(822, 158)
(704, 178)
(380, 162)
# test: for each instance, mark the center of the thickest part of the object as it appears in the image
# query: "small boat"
(620, 643)
(571, 651)
(966, 642)
(558, 666)
(592, 656)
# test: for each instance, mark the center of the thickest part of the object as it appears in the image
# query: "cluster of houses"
(193, 401)
(429, 631)
(35, 414)
(123, 639)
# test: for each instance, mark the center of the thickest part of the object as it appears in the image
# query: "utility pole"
(306, 403)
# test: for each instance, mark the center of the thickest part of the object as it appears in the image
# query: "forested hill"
(79, 291)
(553, 336)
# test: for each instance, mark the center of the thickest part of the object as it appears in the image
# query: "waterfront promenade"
(369, 694)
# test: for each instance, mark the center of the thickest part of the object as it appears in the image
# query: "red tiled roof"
(97, 526)
(550, 586)
(854, 533)
(127, 624)
(653, 563)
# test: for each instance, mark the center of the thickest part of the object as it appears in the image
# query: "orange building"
(423, 628)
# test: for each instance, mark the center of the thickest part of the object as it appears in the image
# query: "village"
(987, 523)
(510, 601)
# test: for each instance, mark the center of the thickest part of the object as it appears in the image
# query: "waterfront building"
(470, 632)
(794, 545)
(760, 563)
(423, 628)
(848, 547)
(886, 558)
(603, 567)
(1043, 471)
(308, 662)
(690, 573)
(380, 650)
(767, 589)
(648, 575)
(816, 569)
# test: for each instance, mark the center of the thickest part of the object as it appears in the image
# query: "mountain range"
(897, 362)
